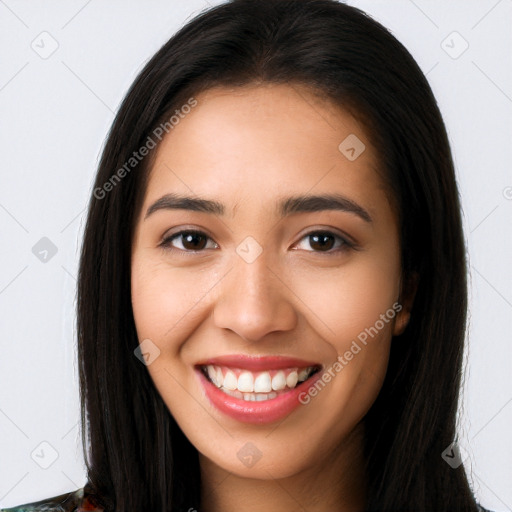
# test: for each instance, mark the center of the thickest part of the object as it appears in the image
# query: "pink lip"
(257, 363)
(266, 411)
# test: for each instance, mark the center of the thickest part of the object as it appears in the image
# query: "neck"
(336, 483)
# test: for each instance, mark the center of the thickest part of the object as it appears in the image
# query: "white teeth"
(246, 382)
(292, 379)
(230, 381)
(236, 393)
(303, 374)
(255, 397)
(220, 377)
(256, 387)
(213, 375)
(263, 383)
(278, 381)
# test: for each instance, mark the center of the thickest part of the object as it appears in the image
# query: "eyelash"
(345, 244)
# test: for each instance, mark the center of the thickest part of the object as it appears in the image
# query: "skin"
(248, 148)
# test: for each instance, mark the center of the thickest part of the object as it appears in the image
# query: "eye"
(188, 241)
(323, 241)
(196, 241)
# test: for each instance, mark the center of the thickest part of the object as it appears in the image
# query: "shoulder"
(74, 501)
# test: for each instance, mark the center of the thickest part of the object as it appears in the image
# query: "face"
(269, 319)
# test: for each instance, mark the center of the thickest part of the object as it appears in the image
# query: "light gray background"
(55, 113)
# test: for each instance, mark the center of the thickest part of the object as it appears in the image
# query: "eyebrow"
(288, 206)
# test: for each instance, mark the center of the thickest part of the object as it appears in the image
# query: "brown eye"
(326, 242)
(321, 242)
(193, 241)
(187, 241)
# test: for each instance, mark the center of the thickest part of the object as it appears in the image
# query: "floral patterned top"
(76, 502)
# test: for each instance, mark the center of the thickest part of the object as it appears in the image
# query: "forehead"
(258, 141)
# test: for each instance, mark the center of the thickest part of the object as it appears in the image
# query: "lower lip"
(266, 411)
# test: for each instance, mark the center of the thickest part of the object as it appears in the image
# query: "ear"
(408, 288)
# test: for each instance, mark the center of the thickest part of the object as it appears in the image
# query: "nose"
(254, 301)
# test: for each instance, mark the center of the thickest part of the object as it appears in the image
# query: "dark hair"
(137, 457)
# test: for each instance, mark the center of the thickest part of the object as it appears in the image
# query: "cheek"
(350, 299)
(166, 304)
(153, 304)
(355, 310)
(355, 307)
(160, 297)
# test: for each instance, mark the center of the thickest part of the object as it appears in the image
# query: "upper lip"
(258, 363)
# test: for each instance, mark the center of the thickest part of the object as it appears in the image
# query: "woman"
(272, 290)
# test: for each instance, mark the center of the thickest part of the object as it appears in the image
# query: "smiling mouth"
(256, 386)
